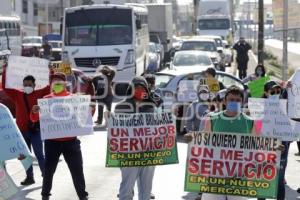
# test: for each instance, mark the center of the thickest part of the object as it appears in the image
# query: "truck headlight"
(129, 57)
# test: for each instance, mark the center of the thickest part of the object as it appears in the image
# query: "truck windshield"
(214, 24)
(96, 27)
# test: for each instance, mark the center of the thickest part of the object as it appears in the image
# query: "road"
(275, 46)
(103, 183)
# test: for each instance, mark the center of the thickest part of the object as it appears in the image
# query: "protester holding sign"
(104, 91)
(138, 103)
(198, 109)
(210, 73)
(24, 101)
(69, 147)
(272, 90)
(231, 120)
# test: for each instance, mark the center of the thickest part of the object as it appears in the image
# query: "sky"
(188, 1)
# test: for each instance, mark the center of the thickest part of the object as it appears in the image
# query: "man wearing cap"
(138, 102)
(69, 147)
(24, 101)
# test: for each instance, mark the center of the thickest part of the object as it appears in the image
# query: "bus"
(107, 34)
(11, 25)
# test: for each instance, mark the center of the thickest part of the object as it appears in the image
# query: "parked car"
(207, 45)
(191, 60)
(154, 58)
(167, 82)
(29, 43)
(78, 83)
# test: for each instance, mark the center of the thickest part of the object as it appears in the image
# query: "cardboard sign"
(212, 83)
(62, 117)
(272, 119)
(12, 143)
(294, 96)
(257, 87)
(233, 164)
(143, 139)
(60, 67)
(7, 187)
(19, 67)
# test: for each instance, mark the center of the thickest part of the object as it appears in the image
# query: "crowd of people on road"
(221, 112)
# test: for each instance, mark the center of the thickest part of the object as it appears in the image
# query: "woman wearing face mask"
(259, 72)
(139, 102)
(272, 90)
(69, 147)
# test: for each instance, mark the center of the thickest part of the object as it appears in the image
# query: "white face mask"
(204, 96)
(274, 97)
(28, 90)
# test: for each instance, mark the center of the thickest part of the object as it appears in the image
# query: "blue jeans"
(34, 140)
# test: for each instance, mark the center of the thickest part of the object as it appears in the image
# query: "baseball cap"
(271, 84)
(58, 76)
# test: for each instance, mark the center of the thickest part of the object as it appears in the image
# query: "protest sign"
(256, 87)
(212, 83)
(7, 187)
(271, 115)
(12, 143)
(187, 91)
(62, 67)
(68, 116)
(19, 67)
(294, 96)
(142, 139)
(233, 164)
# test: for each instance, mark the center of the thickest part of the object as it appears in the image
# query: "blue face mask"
(233, 106)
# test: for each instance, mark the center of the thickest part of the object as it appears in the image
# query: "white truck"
(160, 21)
(213, 18)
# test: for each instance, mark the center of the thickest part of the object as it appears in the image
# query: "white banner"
(62, 117)
(294, 96)
(187, 91)
(19, 67)
(272, 119)
(7, 187)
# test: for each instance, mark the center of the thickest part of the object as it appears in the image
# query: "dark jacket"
(129, 104)
(103, 82)
(242, 51)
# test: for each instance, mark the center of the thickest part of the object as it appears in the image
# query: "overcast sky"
(188, 1)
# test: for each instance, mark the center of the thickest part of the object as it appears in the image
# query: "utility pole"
(260, 49)
(232, 11)
(285, 40)
(196, 9)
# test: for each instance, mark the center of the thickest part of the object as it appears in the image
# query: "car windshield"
(199, 45)
(152, 48)
(162, 80)
(99, 27)
(55, 44)
(190, 60)
(214, 24)
(154, 38)
(31, 40)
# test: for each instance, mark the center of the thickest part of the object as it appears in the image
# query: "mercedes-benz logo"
(96, 62)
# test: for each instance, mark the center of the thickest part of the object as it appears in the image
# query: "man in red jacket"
(24, 101)
(69, 147)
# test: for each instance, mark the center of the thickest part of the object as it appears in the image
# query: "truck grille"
(93, 62)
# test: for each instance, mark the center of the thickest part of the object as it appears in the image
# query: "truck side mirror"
(138, 24)
(168, 40)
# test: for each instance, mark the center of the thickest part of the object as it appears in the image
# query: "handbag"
(33, 127)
